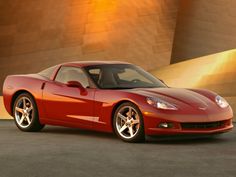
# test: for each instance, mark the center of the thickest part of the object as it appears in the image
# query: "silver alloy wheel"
(127, 122)
(24, 112)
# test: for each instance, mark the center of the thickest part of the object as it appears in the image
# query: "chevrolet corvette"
(112, 97)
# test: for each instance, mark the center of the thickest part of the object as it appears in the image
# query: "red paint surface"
(61, 105)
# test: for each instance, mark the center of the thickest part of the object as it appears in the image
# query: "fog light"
(165, 125)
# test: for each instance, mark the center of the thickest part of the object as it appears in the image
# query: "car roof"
(92, 63)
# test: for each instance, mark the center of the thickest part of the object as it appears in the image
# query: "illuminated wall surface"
(35, 34)
(204, 27)
(216, 72)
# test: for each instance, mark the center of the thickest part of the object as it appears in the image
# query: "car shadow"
(222, 138)
(77, 131)
(181, 140)
(175, 140)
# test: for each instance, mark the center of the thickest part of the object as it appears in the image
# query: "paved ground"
(71, 152)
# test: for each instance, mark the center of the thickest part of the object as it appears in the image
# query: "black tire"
(139, 136)
(34, 124)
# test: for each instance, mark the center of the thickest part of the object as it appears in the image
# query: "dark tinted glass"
(122, 76)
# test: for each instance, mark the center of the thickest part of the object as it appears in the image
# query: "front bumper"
(178, 128)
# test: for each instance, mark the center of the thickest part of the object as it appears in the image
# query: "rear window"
(47, 72)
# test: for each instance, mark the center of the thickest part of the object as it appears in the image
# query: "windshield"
(122, 76)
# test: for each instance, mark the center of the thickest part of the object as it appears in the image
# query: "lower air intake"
(202, 125)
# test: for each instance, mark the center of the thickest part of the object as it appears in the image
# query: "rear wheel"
(128, 123)
(26, 113)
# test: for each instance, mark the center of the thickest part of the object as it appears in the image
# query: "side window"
(66, 74)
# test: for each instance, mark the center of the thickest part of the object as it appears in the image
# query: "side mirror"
(76, 84)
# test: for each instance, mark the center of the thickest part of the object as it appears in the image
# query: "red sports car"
(112, 97)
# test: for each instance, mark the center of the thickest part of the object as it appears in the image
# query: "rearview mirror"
(77, 85)
(162, 81)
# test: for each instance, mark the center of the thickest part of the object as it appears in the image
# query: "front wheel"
(128, 123)
(26, 113)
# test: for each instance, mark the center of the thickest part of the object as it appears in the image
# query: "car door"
(69, 105)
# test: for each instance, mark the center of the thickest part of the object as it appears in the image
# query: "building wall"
(37, 34)
(215, 72)
(204, 27)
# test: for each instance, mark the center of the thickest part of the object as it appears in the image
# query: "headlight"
(221, 102)
(160, 104)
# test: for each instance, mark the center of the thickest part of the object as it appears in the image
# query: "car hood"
(178, 97)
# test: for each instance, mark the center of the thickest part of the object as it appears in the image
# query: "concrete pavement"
(58, 151)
